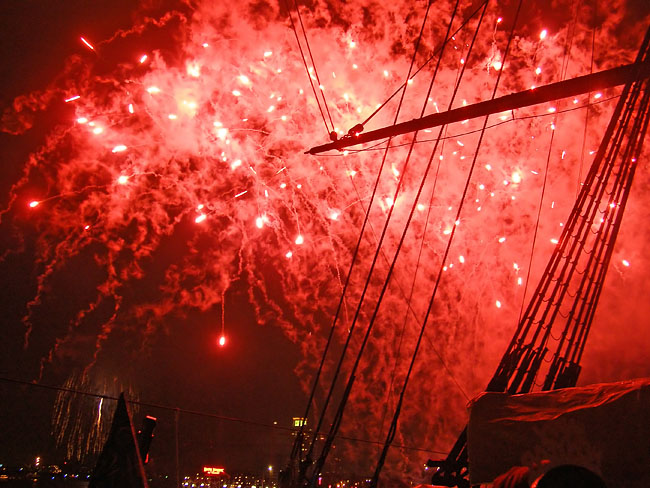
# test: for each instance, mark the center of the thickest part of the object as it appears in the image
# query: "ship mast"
(546, 93)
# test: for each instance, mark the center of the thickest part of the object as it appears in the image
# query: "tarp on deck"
(603, 427)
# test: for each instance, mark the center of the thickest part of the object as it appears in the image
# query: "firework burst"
(179, 177)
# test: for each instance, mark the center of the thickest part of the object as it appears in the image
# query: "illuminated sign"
(299, 421)
(210, 471)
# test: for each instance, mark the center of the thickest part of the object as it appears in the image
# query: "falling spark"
(99, 413)
(90, 46)
(71, 99)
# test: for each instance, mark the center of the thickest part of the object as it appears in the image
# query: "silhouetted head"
(569, 476)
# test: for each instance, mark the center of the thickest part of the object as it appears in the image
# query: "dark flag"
(119, 465)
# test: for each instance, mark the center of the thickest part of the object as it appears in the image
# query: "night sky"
(171, 204)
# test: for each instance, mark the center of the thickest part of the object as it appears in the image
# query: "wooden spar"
(554, 91)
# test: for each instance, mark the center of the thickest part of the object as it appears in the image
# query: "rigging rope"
(403, 294)
(563, 72)
(144, 404)
(594, 283)
(593, 180)
(417, 266)
(304, 61)
(522, 361)
(336, 422)
(568, 270)
(298, 442)
(320, 86)
(434, 55)
(393, 428)
(636, 152)
(584, 135)
(197, 413)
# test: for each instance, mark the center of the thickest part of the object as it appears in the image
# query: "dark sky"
(193, 198)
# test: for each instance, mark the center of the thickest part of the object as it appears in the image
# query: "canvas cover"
(603, 427)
